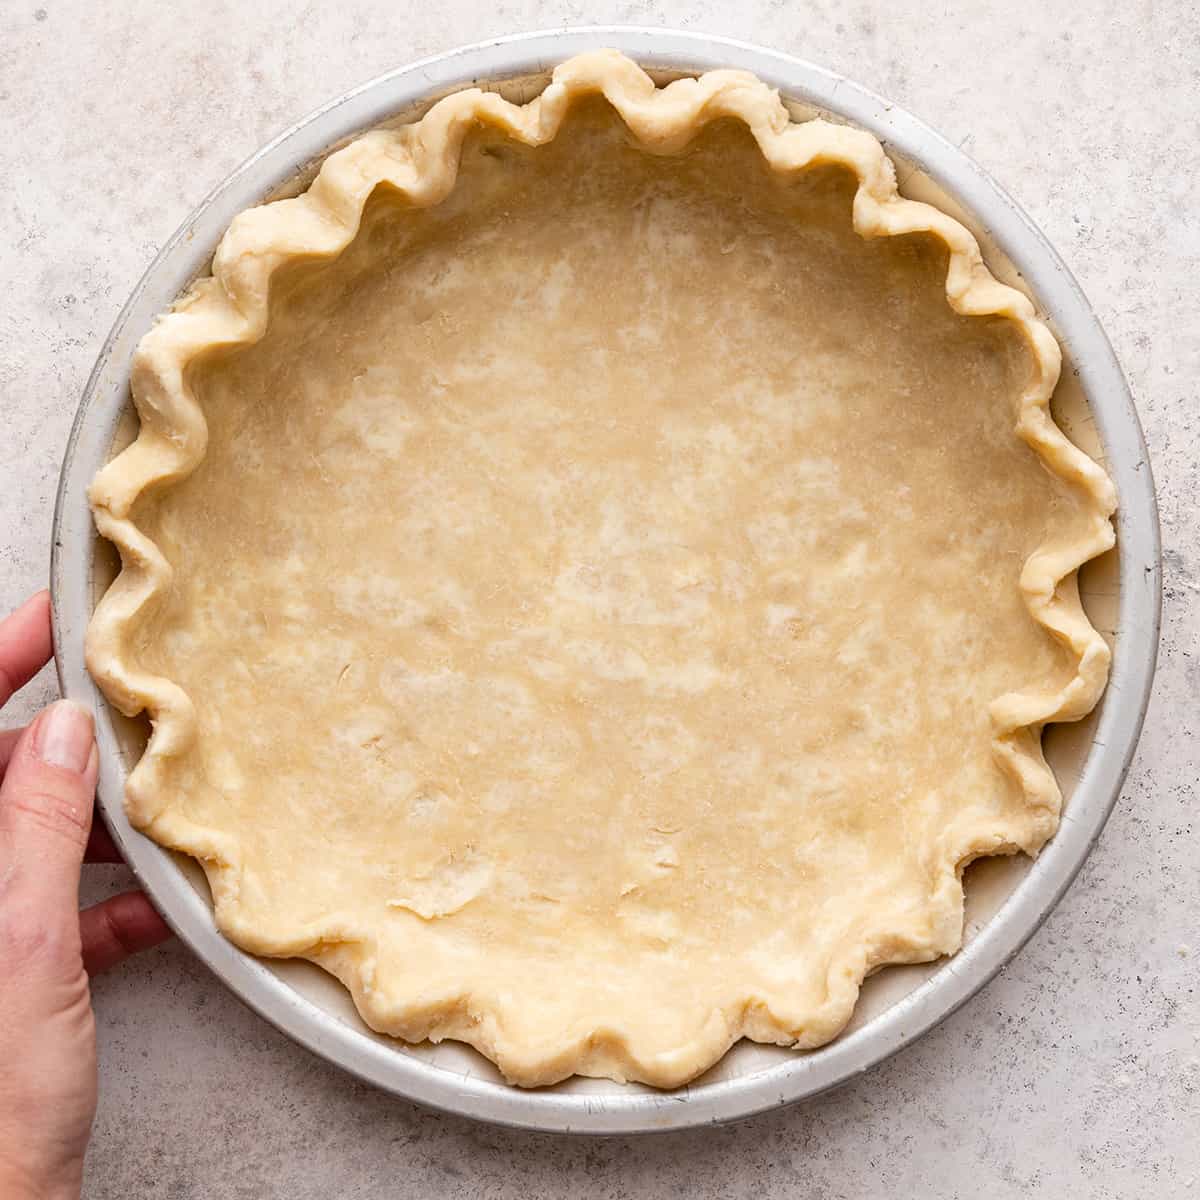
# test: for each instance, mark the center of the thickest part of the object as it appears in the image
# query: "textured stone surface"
(1078, 1069)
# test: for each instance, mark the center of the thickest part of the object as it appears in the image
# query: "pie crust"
(594, 593)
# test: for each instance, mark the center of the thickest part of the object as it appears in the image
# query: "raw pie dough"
(597, 572)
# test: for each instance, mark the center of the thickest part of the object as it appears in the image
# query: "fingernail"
(64, 736)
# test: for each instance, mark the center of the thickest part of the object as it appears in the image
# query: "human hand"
(48, 948)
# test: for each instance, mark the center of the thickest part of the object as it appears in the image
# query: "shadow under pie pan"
(1007, 898)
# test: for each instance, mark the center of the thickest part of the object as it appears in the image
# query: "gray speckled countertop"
(1078, 1070)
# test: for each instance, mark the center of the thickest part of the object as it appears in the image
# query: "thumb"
(46, 812)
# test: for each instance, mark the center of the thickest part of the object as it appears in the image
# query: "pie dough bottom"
(592, 600)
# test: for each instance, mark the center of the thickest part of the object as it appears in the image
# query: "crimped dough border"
(230, 308)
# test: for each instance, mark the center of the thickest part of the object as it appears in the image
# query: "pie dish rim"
(536, 48)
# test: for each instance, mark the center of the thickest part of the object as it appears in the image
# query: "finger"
(118, 927)
(25, 645)
(100, 846)
(8, 743)
(46, 812)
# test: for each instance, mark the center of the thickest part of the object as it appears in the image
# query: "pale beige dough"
(592, 600)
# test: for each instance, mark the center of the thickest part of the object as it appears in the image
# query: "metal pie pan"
(1007, 899)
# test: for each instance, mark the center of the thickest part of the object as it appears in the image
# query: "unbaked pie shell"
(658, 1012)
